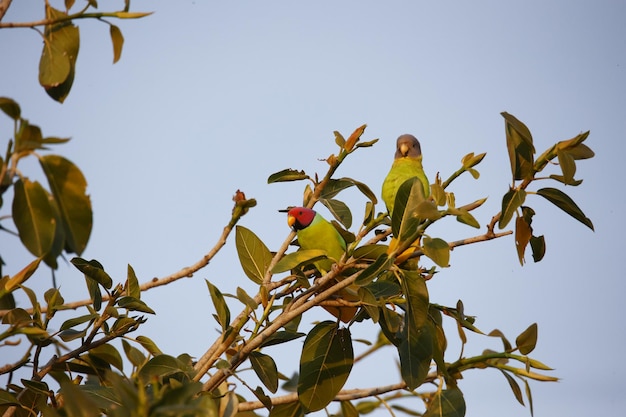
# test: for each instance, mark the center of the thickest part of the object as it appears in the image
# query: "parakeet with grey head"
(407, 164)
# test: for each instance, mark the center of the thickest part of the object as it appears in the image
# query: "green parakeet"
(406, 164)
(315, 232)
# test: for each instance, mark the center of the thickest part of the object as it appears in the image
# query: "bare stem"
(185, 272)
(80, 15)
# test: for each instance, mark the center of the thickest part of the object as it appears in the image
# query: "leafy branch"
(62, 40)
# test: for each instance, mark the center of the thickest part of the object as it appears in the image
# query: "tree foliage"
(87, 373)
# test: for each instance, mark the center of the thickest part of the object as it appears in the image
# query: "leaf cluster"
(61, 42)
(525, 170)
(48, 221)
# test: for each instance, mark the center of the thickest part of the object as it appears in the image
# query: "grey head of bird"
(407, 146)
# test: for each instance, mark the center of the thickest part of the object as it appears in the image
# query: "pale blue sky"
(211, 97)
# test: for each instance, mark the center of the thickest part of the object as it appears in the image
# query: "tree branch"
(298, 307)
(69, 18)
(343, 395)
(186, 272)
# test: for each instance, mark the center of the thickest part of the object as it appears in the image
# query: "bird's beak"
(291, 221)
(404, 149)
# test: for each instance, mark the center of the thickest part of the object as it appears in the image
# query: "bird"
(315, 232)
(407, 164)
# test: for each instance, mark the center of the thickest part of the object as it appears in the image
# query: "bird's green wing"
(321, 234)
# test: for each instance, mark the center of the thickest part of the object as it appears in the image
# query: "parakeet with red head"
(315, 232)
(407, 164)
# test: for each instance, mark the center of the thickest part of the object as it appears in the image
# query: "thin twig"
(343, 395)
(185, 272)
(67, 18)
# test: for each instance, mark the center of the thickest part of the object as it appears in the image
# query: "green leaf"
(335, 186)
(287, 175)
(581, 151)
(132, 283)
(248, 301)
(107, 354)
(149, 345)
(513, 199)
(568, 167)
(132, 15)
(427, 210)
(265, 400)
(10, 108)
(94, 270)
(527, 340)
(281, 337)
(369, 303)
(470, 160)
(565, 203)
(372, 271)
(58, 242)
(19, 278)
(134, 355)
(294, 259)
(36, 386)
(80, 405)
(446, 403)
(160, 366)
(339, 139)
(505, 342)
(519, 143)
(366, 144)
(514, 387)
(325, 365)
(76, 321)
(437, 250)
(28, 137)
(118, 42)
(265, 368)
(134, 304)
(52, 140)
(68, 186)
(339, 210)
(292, 409)
(254, 256)
(221, 308)
(7, 301)
(538, 246)
(71, 334)
(58, 58)
(348, 409)
(416, 338)
(6, 399)
(404, 221)
(466, 217)
(369, 252)
(94, 292)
